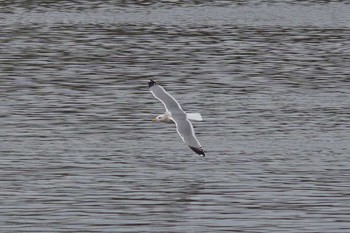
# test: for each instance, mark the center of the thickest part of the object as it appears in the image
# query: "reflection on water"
(80, 154)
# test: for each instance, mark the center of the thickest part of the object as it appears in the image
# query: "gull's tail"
(194, 116)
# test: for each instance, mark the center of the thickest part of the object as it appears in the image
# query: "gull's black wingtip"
(198, 151)
(151, 83)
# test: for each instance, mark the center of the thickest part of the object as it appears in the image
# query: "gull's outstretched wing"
(170, 104)
(183, 125)
(186, 132)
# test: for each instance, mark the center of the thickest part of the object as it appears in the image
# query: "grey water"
(78, 150)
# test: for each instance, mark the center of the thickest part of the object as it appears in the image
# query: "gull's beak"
(154, 120)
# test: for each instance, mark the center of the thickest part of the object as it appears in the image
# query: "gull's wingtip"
(151, 83)
(199, 151)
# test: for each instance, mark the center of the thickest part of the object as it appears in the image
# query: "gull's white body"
(174, 113)
(166, 117)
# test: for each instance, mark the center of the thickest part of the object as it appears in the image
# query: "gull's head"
(166, 118)
(160, 118)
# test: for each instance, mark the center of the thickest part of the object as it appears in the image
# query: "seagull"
(174, 113)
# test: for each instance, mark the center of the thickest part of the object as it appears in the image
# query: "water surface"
(80, 154)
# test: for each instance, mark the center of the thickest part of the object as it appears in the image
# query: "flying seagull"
(174, 113)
